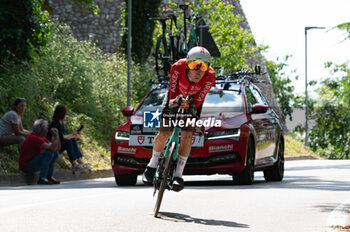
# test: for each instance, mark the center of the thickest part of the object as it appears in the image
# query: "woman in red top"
(192, 77)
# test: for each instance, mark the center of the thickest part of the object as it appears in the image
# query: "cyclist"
(191, 77)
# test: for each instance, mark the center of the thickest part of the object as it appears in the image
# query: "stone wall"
(103, 28)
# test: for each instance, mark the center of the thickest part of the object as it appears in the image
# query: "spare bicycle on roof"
(171, 47)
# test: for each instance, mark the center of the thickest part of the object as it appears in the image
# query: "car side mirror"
(128, 111)
(259, 109)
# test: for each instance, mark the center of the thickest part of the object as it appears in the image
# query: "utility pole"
(306, 84)
(128, 99)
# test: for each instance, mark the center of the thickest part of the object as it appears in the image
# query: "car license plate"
(147, 140)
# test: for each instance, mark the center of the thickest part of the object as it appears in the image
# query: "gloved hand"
(179, 99)
(176, 104)
(191, 103)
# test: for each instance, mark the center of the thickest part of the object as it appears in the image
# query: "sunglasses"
(197, 65)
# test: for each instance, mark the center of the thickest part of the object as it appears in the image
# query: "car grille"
(129, 161)
(214, 160)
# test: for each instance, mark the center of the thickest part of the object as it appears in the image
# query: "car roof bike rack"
(239, 77)
(161, 81)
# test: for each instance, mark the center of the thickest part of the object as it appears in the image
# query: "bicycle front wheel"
(164, 178)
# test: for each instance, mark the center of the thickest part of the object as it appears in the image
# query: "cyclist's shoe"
(147, 176)
(178, 184)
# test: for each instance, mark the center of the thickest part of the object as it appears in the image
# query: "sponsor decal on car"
(140, 139)
(228, 147)
(147, 140)
(135, 129)
(126, 150)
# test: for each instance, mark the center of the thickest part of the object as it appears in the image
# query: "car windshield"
(153, 101)
(215, 101)
(223, 101)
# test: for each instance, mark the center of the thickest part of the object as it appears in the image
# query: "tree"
(345, 27)
(24, 29)
(142, 29)
(331, 134)
(282, 86)
(234, 42)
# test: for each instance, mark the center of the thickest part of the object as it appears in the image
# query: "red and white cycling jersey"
(180, 84)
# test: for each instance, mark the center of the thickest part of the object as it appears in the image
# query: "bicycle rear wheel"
(164, 178)
(162, 57)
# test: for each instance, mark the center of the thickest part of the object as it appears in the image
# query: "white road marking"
(20, 207)
(338, 217)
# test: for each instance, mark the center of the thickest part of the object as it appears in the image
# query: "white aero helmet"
(200, 54)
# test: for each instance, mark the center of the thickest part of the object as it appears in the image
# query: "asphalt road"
(306, 200)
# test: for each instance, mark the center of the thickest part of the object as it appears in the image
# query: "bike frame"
(168, 55)
(192, 37)
(173, 138)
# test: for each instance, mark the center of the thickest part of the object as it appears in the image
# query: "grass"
(98, 157)
(294, 148)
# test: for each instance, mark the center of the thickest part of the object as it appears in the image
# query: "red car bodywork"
(217, 156)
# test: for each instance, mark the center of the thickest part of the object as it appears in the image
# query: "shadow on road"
(289, 182)
(329, 207)
(296, 177)
(177, 217)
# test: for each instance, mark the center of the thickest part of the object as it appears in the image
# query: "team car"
(242, 134)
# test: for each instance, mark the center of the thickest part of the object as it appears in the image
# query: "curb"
(302, 157)
(20, 179)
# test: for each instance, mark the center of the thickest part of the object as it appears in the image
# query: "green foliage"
(24, 29)
(74, 73)
(79, 75)
(282, 86)
(142, 29)
(234, 42)
(141, 76)
(88, 4)
(345, 27)
(331, 134)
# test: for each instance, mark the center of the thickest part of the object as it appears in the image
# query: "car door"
(257, 121)
(269, 122)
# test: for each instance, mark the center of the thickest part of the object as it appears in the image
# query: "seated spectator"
(39, 154)
(11, 128)
(68, 142)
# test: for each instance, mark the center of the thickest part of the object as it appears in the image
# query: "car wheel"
(276, 172)
(125, 180)
(246, 177)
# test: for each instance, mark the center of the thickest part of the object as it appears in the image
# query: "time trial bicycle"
(164, 176)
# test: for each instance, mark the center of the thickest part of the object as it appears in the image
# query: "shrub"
(78, 74)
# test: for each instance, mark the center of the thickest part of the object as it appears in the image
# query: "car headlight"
(121, 136)
(233, 134)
